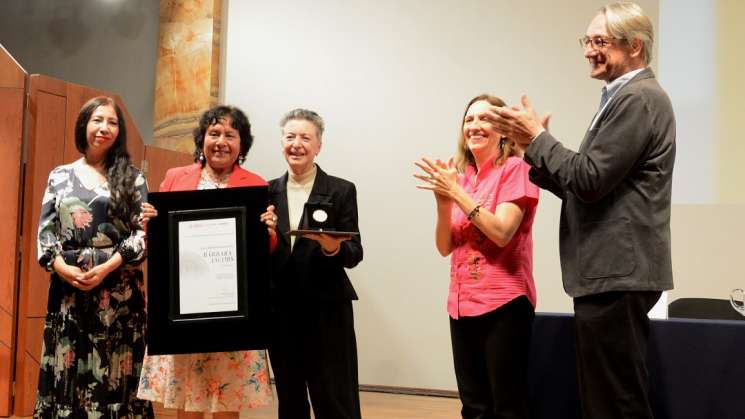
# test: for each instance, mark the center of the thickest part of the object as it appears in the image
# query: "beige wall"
(731, 88)
(707, 250)
(391, 79)
(701, 61)
(707, 237)
(707, 232)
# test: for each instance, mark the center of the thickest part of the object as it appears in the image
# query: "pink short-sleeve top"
(484, 276)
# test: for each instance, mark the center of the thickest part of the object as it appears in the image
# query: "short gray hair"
(627, 21)
(304, 115)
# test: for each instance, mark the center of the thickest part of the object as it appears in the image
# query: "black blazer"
(304, 272)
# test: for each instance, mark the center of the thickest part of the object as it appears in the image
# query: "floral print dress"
(93, 340)
(207, 382)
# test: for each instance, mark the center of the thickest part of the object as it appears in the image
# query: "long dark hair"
(214, 115)
(124, 203)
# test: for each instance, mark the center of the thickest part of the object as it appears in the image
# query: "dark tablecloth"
(696, 368)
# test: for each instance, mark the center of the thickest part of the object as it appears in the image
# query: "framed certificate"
(208, 271)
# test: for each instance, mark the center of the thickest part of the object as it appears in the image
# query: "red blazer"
(186, 178)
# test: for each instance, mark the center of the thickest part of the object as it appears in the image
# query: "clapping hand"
(521, 125)
(441, 178)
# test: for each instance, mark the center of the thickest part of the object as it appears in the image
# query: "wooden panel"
(159, 160)
(6, 328)
(26, 381)
(11, 136)
(11, 73)
(135, 144)
(45, 143)
(45, 150)
(47, 84)
(35, 330)
(12, 96)
(6, 361)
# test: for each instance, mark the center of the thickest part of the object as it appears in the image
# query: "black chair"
(703, 308)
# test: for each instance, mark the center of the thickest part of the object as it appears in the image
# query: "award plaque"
(208, 271)
(319, 218)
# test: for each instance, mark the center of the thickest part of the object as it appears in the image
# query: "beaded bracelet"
(474, 212)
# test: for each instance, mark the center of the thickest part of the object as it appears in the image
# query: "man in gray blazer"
(615, 216)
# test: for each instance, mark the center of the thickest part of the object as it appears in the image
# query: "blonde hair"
(463, 155)
(627, 21)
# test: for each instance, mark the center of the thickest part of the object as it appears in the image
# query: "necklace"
(218, 181)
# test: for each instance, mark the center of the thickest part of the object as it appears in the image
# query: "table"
(696, 368)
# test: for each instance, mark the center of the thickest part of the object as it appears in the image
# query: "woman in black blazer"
(314, 350)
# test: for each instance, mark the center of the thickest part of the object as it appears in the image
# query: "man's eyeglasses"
(595, 42)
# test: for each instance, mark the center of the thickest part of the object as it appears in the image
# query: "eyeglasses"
(596, 42)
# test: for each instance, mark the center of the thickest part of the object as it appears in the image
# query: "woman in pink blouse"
(485, 209)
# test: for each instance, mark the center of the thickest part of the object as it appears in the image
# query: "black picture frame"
(174, 331)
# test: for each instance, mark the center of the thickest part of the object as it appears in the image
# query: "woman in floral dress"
(91, 241)
(222, 383)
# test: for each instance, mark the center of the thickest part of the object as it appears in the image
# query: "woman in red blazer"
(222, 383)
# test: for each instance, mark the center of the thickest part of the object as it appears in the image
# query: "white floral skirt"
(209, 382)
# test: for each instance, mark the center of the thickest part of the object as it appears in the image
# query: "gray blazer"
(615, 213)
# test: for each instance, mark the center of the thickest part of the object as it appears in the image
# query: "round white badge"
(320, 215)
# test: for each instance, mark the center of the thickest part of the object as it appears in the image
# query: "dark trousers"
(314, 352)
(490, 353)
(612, 334)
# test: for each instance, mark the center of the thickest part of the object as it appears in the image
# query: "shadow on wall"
(130, 18)
(67, 15)
(126, 17)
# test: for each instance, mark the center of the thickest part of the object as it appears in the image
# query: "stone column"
(188, 69)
